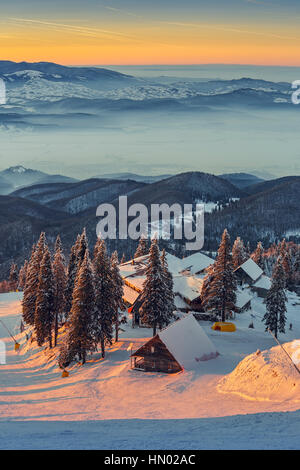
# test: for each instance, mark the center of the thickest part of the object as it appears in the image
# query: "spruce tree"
(142, 248)
(220, 296)
(72, 271)
(22, 276)
(82, 248)
(286, 262)
(153, 295)
(41, 247)
(239, 255)
(31, 286)
(44, 308)
(80, 336)
(117, 297)
(13, 277)
(104, 297)
(60, 284)
(258, 256)
(276, 299)
(206, 286)
(167, 315)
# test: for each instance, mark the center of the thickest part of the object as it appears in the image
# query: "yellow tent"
(223, 326)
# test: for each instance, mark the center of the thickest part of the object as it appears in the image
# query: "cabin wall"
(155, 357)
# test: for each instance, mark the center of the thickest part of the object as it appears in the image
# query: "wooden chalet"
(248, 273)
(155, 357)
(179, 346)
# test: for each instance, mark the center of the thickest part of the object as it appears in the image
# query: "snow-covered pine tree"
(153, 297)
(206, 286)
(82, 248)
(274, 317)
(104, 298)
(286, 262)
(220, 297)
(80, 336)
(41, 247)
(142, 248)
(72, 271)
(168, 314)
(258, 256)
(248, 250)
(60, 284)
(44, 307)
(22, 276)
(239, 255)
(13, 277)
(117, 297)
(31, 286)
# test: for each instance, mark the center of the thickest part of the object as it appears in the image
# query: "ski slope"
(105, 404)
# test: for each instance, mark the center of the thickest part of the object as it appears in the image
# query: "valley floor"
(105, 404)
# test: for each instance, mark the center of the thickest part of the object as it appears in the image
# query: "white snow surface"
(105, 404)
(187, 342)
(269, 375)
(252, 269)
(189, 287)
(196, 262)
(242, 298)
(264, 282)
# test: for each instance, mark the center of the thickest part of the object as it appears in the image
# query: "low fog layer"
(148, 125)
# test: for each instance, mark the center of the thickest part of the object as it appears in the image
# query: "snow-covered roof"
(131, 267)
(136, 282)
(188, 287)
(138, 265)
(180, 303)
(252, 269)
(130, 295)
(264, 282)
(187, 342)
(242, 298)
(196, 263)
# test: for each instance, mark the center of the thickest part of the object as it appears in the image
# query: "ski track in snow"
(105, 404)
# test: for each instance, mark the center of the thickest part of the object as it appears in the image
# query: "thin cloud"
(124, 12)
(232, 30)
(81, 30)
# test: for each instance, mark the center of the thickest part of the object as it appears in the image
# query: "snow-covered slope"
(31, 388)
(267, 375)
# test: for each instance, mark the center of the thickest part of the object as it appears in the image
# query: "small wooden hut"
(179, 346)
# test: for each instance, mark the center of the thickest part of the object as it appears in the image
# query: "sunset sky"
(151, 32)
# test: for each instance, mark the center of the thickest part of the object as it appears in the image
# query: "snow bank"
(266, 376)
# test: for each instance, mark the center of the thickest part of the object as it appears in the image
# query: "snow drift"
(266, 376)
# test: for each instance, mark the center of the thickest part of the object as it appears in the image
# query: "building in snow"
(182, 345)
(262, 286)
(187, 285)
(248, 273)
(196, 264)
(251, 274)
(243, 301)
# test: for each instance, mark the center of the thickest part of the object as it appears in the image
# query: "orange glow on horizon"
(149, 45)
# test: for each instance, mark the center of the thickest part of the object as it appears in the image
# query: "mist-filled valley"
(87, 121)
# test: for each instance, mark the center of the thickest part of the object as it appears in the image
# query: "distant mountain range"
(19, 176)
(47, 95)
(262, 211)
(241, 180)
